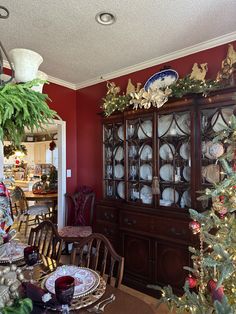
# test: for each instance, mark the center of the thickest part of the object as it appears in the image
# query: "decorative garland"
(191, 83)
(10, 150)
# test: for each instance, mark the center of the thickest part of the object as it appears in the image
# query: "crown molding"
(51, 79)
(166, 58)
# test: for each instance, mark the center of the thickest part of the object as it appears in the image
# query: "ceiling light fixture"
(24, 65)
(105, 18)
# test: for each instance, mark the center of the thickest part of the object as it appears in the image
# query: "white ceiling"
(78, 51)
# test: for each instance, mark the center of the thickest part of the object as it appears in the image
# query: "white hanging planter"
(42, 76)
(26, 63)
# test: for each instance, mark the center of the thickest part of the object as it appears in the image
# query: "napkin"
(36, 293)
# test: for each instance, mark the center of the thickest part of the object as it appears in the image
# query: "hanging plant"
(20, 108)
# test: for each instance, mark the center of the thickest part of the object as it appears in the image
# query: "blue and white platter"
(161, 79)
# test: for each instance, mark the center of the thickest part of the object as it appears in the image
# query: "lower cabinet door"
(138, 256)
(170, 258)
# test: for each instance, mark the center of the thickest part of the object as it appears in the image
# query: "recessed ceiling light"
(105, 18)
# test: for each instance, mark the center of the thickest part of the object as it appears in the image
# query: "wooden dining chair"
(97, 253)
(81, 204)
(47, 239)
(29, 215)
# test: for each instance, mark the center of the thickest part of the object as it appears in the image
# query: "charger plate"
(167, 151)
(86, 280)
(83, 301)
(145, 152)
(170, 194)
(17, 255)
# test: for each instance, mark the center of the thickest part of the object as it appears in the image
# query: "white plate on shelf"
(86, 280)
(119, 171)
(121, 189)
(146, 194)
(146, 172)
(184, 151)
(167, 172)
(165, 202)
(214, 150)
(145, 130)
(161, 79)
(119, 153)
(211, 173)
(187, 173)
(217, 122)
(121, 133)
(164, 123)
(183, 124)
(186, 199)
(170, 194)
(167, 151)
(145, 152)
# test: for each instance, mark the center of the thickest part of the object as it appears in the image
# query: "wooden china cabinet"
(171, 147)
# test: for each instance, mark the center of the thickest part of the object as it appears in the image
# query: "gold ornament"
(199, 73)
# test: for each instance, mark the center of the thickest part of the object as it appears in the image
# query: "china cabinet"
(154, 162)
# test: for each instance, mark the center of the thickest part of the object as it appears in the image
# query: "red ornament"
(194, 226)
(222, 198)
(52, 145)
(192, 282)
(216, 294)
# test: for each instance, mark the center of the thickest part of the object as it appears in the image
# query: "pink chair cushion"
(75, 231)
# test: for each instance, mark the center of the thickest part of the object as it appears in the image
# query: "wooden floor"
(155, 304)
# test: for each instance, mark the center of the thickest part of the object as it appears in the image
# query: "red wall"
(89, 100)
(63, 101)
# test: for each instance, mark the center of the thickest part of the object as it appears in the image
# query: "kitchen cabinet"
(154, 162)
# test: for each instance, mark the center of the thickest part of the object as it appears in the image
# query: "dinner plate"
(164, 123)
(146, 172)
(186, 199)
(121, 189)
(214, 150)
(145, 130)
(145, 152)
(121, 133)
(119, 171)
(146, 194)
(18, 252)
(167, 151)
(171, 195)
(184, 151)
(161, 79)
(119, 153)
(217, 122)
(167, 172)
(183, 124)
(187, 173)
(86, 280)
(211, 173)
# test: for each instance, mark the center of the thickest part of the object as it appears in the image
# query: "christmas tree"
(210, 286)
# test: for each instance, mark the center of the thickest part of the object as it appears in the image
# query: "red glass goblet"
(64, 289)
(31, 256)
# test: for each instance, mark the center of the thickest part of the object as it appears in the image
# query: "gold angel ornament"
(199, 72)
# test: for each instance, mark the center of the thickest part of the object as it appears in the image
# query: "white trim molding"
(227, 38)
(166, 58)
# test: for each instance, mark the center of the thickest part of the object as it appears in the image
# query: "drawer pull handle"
(129, 222)
(181, 233)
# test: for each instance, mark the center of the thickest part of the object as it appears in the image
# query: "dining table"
(124, 302)
(44, 197)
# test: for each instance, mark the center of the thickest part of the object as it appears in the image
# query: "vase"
(42, 76)
(26, 63)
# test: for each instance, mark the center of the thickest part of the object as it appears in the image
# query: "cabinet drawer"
(156, 226)
(108, 229)
(106, 213)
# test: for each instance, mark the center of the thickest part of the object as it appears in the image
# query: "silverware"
(99, 308)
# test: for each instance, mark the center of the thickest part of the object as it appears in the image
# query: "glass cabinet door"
(174, 160)
(213, 120)
(139, 146)
(114, 169)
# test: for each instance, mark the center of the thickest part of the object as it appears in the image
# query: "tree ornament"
(199, 73)
(52, 145)
(192, 282)
(195, 226)
(216, 294)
